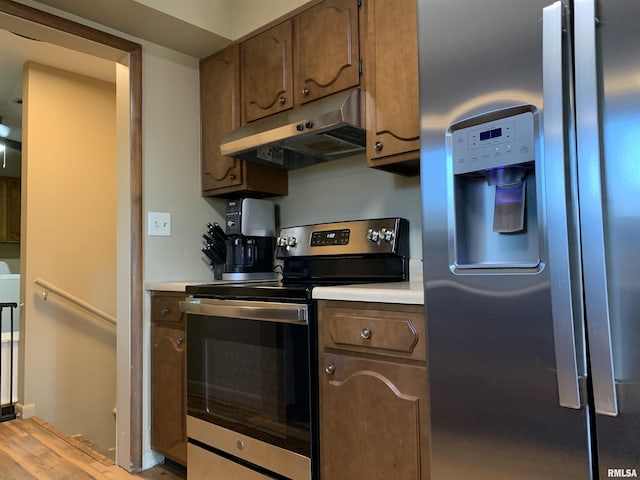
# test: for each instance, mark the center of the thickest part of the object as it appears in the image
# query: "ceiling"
(15, 51)
(141, 21)
(133, 18)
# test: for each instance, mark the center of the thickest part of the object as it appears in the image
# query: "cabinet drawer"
(381, 332)
(165, 309)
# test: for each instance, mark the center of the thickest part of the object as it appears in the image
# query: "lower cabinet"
(168, 377)
(373, 392)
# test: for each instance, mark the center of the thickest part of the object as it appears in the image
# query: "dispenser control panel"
(498, 143)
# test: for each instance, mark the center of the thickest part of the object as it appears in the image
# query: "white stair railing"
(49, 288)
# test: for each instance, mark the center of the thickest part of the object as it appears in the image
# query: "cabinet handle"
(179, 340)
(365, 333)
(330, 368)
(305, 92)
(240, 444)
(283, 100)
(232, 177)
(378, 146)
(164, 311)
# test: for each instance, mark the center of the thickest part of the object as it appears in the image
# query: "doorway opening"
(33, 23)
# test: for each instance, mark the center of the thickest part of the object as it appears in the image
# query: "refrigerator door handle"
(591, 209)
(556, 207)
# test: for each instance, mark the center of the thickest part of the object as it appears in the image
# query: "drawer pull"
(330, 368)
(164, 311)
(365, 333)
(240, 445)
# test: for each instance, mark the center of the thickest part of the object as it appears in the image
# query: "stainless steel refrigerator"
(530, 177)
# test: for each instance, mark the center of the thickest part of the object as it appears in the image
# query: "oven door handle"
(248, 310)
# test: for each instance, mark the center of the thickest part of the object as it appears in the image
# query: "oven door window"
(250, 376)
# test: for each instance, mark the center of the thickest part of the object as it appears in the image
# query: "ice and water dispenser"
(494, 216)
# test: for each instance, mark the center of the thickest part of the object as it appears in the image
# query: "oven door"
(248, 369)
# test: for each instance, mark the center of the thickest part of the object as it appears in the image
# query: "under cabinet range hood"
(326, 129)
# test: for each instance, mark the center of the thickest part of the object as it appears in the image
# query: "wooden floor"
(34, 450)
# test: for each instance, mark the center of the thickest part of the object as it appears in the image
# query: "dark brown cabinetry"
(220, 114)
(326, 50)
(373, 391)
(168, 377)
(9, 210)
(309, 56)
(267, 72)
(393, 129)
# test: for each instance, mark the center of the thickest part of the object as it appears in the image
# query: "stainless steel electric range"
(252, 375)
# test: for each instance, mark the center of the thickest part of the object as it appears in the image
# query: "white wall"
(171, 166)
(247, 15)
(228, 18)
(347, 189)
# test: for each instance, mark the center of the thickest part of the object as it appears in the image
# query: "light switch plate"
(159, 224)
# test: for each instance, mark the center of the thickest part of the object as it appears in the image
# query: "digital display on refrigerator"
(489, 134)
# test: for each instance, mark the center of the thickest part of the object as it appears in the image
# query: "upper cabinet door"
(267, 72)
(393, 129)
(13, 210)
(220, 114)
(326, 49)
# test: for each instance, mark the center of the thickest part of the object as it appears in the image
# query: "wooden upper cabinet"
(13, 210)
(309, 56)
(393, 117)
(326, 50)
(267, 72)
(9, 210)
(220, 113)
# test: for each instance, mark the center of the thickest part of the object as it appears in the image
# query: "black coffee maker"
(250, 244)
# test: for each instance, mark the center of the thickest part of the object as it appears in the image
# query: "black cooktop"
(300, 275)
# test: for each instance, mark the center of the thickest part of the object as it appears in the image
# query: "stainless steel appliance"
(250, 239)
(529, 171)
(326, 129)
(252, 386)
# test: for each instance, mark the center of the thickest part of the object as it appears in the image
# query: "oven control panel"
(330, 237)
(357, 237)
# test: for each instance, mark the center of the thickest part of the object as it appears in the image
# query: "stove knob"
(373, 235)
(281, 242)
(230, 223)
(387, 235)
(292, 242)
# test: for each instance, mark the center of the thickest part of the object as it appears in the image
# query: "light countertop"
(394, 292)
(410, 292)
(176, 286)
